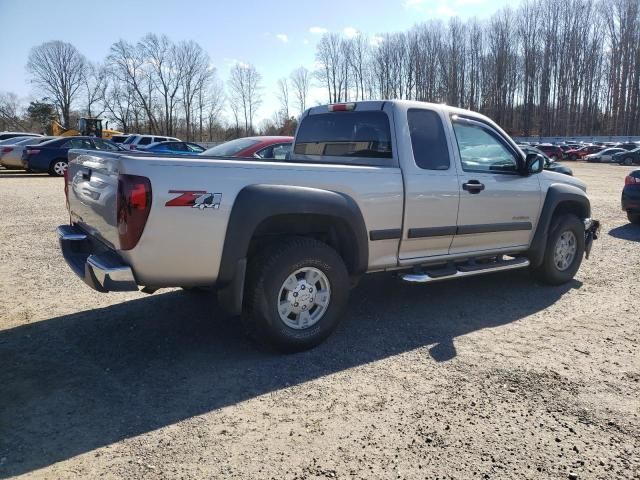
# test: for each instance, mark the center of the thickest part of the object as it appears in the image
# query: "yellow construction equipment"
(86, 126)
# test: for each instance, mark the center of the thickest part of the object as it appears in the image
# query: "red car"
(580, 153)
(253, 147)
(554, 152)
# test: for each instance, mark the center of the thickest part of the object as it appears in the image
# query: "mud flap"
(591, 234)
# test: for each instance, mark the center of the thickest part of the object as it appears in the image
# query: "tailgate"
(93, 186)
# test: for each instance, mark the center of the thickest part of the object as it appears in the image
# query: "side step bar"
(466, 270)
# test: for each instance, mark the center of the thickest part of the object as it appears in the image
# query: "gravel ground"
(488, 377)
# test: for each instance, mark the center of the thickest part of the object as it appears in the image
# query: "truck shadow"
(78, 382)
(628, 231)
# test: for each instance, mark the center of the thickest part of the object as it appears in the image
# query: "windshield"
(229, 149)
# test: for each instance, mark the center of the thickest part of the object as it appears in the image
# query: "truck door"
(498, 206)
(431, 185)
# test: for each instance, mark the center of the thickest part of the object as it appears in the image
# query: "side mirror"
(534, 163)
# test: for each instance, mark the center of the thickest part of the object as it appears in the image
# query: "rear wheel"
(628, 161)
(563, 252)
(296, 292)
(58, 167)
(573, 157)
(634, 218)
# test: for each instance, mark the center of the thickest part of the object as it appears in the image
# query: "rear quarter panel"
(183, 245)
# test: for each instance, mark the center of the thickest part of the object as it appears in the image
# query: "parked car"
(120, 138)
(7, 135)
(141, 142)
(627, 158)
(176, 148)
(51, 156)
(580, 153)
(627, 145)
(604, 156)
(370, 186)
(631, 196)
(549, 164)
(253, 147)
(554, 152)
(11, 154)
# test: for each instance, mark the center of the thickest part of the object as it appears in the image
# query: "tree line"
(547, 67)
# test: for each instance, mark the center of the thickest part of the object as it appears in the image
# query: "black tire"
(628, 161)
(573, 157)
(634, 218)
(266, 275)
(548, 272)
(54, 170)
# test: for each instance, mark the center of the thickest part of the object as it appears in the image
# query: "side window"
(427, 140)
(102, 145)
(280, 152)
(266, 152)
(195, 148)
(144, 141)
(482, 150)
(159, 139)
(177, 147)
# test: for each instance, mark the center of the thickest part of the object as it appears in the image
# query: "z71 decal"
(195, 199)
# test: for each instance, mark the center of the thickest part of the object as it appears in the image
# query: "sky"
(275, 36)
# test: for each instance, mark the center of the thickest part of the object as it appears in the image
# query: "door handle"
(473, 186)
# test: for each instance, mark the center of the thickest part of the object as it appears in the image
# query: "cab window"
(429, 144)
(482, 150)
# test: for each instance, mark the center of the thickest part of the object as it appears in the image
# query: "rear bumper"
(98, 266)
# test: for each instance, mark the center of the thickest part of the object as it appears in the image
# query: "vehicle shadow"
(628, 231)
(77, 382)
(21, 174)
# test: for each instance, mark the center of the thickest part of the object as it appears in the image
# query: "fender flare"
(256, 203)
(558, 196)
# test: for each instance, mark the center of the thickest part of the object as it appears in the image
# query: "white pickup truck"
(428, 191)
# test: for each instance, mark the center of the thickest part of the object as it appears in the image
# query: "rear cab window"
(428, 141)
(358, 137)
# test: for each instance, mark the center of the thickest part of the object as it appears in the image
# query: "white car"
(11, 152)
(140, 142)
(604, 156)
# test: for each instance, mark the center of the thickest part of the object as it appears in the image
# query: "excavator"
(86, 126)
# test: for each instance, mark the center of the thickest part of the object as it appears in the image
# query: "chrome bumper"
(99, 267)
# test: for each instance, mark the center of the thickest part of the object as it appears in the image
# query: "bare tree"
(300, 79)
(164, 72)
(95, 85)
(244, 93)
(282, 115)
(193, 61)
(58, 69)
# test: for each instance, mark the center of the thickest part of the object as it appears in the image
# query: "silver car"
(11, 153)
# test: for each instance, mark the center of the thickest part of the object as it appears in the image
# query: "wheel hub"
(304, 298)
(565, 250)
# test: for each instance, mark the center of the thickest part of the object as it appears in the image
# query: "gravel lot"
(489, 377)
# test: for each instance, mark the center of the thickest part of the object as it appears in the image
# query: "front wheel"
(296, 292)
(563, 252)
(628, 161)
(57, 168)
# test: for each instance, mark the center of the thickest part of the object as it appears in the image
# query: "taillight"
(132, 147)
(629, 180)
(133, 207)
(342, 107)
(7, 149)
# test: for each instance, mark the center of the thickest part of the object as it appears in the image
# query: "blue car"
(175, 148)
(51, 156)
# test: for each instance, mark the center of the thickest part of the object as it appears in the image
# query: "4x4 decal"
(195, 199)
